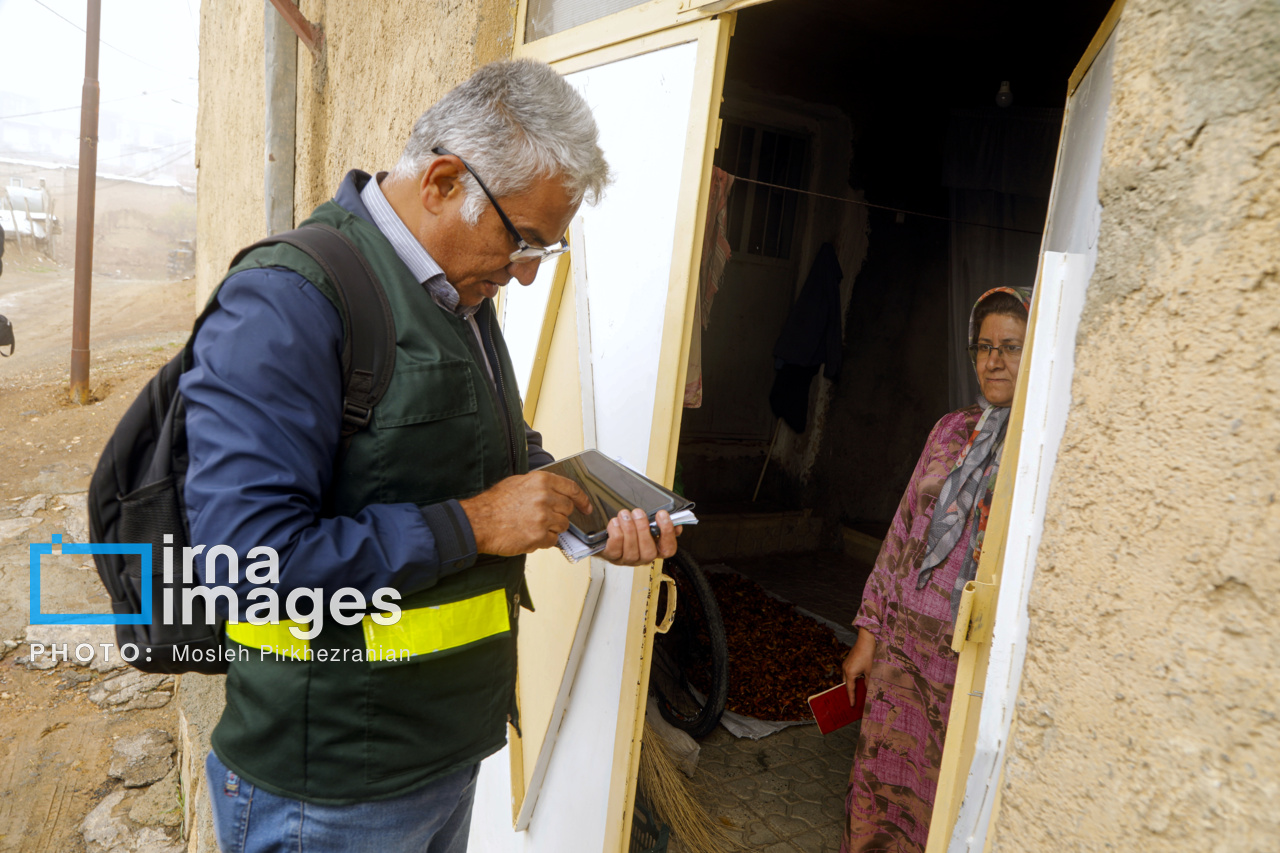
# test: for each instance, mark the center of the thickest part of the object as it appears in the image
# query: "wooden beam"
(308, 33)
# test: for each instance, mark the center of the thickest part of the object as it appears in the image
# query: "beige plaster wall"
(229, 137)
(383, 64)
(1147, 718)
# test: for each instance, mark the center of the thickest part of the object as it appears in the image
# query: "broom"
(670, 794)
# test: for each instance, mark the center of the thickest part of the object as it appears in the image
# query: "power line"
(112, 101)
(885, 207)
(101, 40)
(145, 151)
(33, 168)
(164, 165)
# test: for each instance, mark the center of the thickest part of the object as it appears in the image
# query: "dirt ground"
(55, 743)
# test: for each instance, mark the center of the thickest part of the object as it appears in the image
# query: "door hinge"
(975, 615)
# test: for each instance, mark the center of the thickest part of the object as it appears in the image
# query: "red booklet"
(832, 710)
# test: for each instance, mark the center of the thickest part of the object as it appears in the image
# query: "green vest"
(338, 730)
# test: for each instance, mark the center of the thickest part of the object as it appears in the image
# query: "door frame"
(627, 34)
(969, 778)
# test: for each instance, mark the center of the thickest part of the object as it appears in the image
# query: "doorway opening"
(892, 140)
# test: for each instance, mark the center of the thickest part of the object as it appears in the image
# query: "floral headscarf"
(973, 476)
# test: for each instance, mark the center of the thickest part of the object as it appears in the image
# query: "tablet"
(612, 487)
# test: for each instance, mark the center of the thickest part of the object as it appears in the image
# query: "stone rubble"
(108, 829)
(76, 522)
(13, 528)
(103, 830)
(142, 759)
(124, 689)
(32, 505)
(132, 690)
(101, 654)
(160, 804)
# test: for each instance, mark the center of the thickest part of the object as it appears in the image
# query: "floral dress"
(895, 772)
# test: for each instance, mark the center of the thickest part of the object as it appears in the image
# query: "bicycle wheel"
(693, 657)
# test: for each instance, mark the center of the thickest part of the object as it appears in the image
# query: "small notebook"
(832, 710)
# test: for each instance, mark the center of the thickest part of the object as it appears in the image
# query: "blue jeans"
(433, 819)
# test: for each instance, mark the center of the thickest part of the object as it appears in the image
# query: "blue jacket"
(264, 405)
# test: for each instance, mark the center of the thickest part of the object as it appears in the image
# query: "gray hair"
(515, 122)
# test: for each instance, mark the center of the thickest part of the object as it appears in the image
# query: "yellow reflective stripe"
(427, 630)
(276, 639)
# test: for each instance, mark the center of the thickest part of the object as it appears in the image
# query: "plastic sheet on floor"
(749, 727)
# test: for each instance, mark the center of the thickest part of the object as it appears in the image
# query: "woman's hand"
(858, 661)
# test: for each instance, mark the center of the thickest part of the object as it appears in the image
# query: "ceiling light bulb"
(1004, 97)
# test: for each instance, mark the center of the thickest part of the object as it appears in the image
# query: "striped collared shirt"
(409, 250)
(415, 256)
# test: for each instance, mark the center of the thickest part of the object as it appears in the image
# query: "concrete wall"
(382, 65)
(1147, 714)
(229, 136)
(136, 224)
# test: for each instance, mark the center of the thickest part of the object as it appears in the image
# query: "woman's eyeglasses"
(983, 352)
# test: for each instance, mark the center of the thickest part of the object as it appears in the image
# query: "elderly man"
(433, 499)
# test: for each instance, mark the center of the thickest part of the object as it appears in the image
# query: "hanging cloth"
(715, 255)
(811, 337)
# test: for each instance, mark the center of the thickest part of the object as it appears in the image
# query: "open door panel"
(605, 361)
(991, 657)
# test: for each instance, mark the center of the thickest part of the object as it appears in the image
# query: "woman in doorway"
(909, 605)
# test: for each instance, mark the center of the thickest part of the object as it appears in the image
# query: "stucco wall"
(1147, 718)
(383, 64)
(229, 137)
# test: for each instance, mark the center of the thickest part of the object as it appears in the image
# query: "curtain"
(999, 170)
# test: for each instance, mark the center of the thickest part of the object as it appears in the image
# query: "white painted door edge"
(586, 376)
(1063, 280)
(594, 588)
(596, 583)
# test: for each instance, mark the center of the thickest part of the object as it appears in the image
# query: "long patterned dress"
(895, 772)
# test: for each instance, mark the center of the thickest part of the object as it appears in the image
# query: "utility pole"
(84, 209)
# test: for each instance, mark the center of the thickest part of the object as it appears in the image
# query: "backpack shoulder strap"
(368, 348)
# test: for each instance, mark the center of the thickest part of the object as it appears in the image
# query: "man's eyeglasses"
(524, 251)
(983, 352)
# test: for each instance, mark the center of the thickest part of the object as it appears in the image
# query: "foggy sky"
(149, 46)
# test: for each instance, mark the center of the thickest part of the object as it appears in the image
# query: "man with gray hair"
(322, 743)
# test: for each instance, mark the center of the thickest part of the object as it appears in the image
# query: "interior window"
(762, 219)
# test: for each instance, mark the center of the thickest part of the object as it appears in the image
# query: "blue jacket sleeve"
(537, 455)
(264, 402)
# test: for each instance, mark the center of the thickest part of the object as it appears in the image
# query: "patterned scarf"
(973, 476)
(968, 489)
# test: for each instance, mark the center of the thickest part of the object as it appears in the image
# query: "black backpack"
(136, 494)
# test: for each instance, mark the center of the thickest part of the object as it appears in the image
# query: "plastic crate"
(648, 834)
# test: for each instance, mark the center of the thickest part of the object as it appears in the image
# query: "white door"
(604, 346)
(991, 660)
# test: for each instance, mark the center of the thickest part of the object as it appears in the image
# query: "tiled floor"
(785, 793)
(781, 794)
